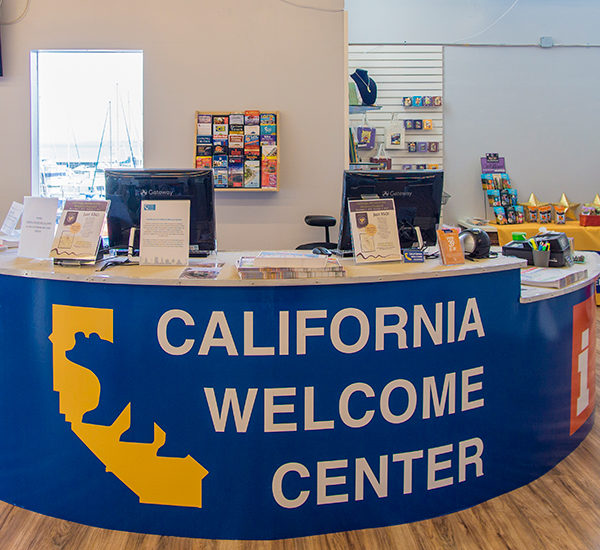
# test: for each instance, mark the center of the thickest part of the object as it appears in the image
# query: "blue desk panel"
(273, 412)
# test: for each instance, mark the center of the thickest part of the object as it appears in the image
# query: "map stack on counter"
(552, 277)
(289, 265)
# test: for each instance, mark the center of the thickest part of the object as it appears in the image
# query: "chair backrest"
(319, 221)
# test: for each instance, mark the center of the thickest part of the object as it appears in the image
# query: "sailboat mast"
(110, 144)
(117, 135)
(128, 136)
(106, 117)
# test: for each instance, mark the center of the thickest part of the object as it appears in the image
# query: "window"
(86, 116)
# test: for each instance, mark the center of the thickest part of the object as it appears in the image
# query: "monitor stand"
(419, 237)
(131, 259)
(199, 253)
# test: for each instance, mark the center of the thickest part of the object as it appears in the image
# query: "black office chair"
(320, 221)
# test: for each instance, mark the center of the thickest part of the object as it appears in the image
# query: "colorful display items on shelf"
(410, 167)
(353, 94)
(352, 147)
(365, 136)
(543, 212)
(418, 124)
(501, 197)
(560, 213)
(532, 207)
(570, 207)
(422, 101)
(590, 215)
(423, 146)
(595, 203)
(383, 162)
(242, 148)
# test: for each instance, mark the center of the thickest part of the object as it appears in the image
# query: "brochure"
(12, 218)
(37, 227)
(450, 247)
(374, 230)
(165, 232)
(78, 235)
(205, 270)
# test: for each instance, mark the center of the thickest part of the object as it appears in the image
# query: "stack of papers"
(290, 259)
(253, 267)
(9, 241)
(552, 277)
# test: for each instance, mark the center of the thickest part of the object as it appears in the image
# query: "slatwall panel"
(402, 71)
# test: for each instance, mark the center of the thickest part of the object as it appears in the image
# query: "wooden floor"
(559, 511)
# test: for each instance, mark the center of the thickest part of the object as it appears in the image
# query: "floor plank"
(559, 511)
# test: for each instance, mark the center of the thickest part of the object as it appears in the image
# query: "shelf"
(358, 109)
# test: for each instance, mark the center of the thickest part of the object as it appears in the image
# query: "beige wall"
(198, 54)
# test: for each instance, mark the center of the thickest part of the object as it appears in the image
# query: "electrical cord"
(491, 24)
(115, 262)
(402, 232)
(16, 19)
(315, 8)
(408, 225)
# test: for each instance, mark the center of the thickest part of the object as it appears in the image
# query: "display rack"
(403, 71)
(241, 147)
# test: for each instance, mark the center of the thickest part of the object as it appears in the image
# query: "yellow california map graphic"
(155, 480)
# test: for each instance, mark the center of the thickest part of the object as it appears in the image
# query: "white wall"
(538, 107)
(204, 55)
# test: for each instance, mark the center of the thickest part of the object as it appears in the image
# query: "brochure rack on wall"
(410, 93)
(241, 148)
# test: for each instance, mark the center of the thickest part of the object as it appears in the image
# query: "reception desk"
(132, 399)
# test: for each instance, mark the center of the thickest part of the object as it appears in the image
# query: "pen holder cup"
(541, 258)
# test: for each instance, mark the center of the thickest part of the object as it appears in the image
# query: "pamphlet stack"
(248, 269)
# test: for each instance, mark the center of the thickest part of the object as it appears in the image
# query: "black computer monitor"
(417, 199)
(127, 188)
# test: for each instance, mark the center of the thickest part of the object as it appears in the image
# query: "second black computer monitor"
(417, 198)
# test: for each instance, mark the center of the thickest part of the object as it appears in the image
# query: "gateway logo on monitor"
(155, 193)
(103, 421)
(390, 194)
